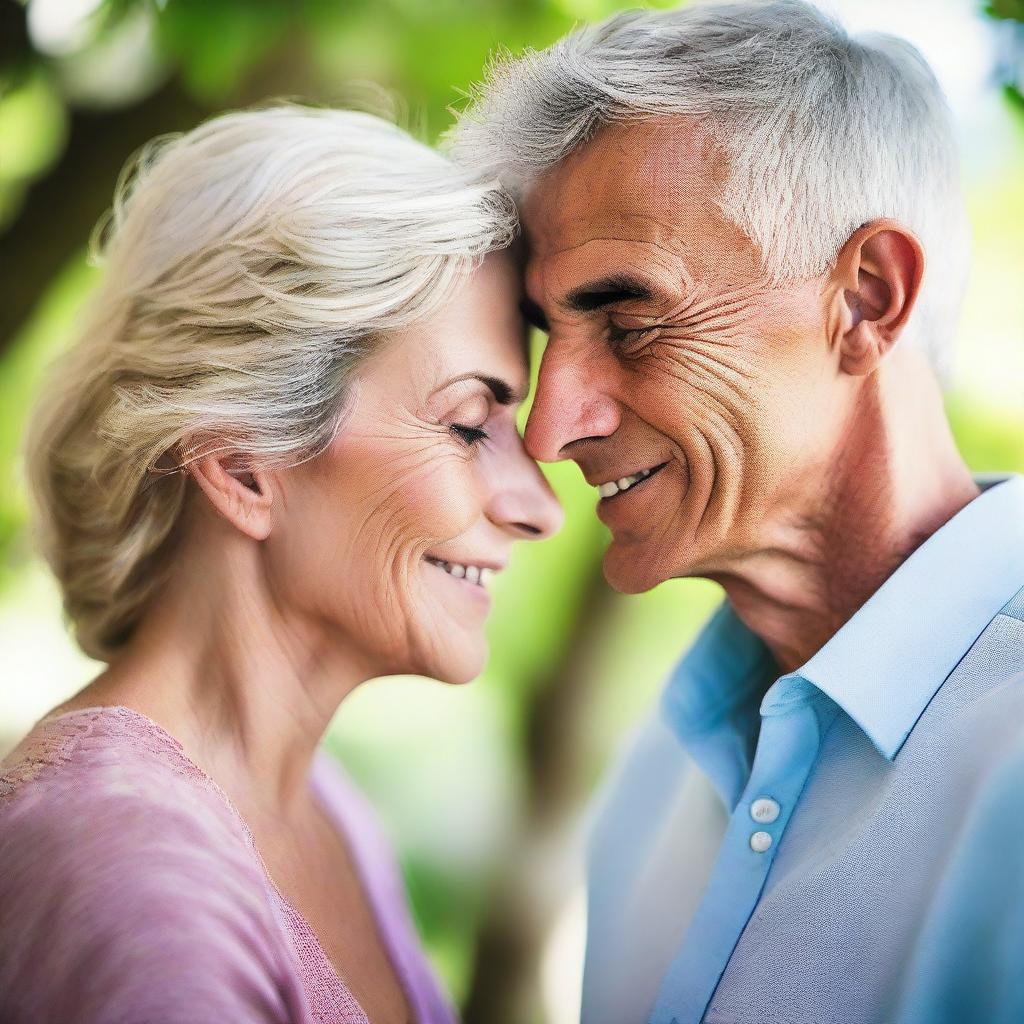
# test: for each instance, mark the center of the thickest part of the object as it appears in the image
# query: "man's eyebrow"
(504, 393)
(605, 292)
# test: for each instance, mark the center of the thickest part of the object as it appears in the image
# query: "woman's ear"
(877, 277)
(243, 498)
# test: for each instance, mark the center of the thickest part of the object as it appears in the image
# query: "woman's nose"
(523, 502)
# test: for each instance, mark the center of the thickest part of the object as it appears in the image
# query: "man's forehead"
(650, 181)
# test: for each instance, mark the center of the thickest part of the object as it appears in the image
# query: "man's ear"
(242, 498)
(877, 277)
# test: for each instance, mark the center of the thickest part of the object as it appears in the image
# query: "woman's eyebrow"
(504, 393)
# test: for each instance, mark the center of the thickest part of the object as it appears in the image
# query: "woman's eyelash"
(470, 435)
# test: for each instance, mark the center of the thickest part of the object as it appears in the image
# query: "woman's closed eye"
(468, 435)
(468, 419)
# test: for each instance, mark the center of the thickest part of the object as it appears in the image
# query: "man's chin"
(629, 571)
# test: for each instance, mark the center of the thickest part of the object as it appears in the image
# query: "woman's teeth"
(470, 573)
(624, 483)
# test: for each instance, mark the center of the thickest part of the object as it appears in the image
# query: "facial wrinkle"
(699, 372)
(726, 449)
(705, 304)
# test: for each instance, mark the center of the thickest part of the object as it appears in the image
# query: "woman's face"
(391, 536)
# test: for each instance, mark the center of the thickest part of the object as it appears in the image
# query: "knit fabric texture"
(132, 891)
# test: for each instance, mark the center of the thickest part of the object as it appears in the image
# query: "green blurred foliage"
(1010, 9)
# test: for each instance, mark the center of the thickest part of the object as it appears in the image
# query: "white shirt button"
(760, 841)
(765, 810)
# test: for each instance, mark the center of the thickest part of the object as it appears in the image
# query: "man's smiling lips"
(620, 509)
(624, 484)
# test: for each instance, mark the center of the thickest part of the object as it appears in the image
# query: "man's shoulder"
(967, 965)
(1014, 608)
(990, 675)
(974, 724)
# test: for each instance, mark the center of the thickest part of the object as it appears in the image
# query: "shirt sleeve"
(117, 908)
(969, 964)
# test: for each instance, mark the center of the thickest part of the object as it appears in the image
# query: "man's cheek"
(711, 367)
(697, 408)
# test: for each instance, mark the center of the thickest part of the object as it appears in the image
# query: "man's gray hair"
(823, 131)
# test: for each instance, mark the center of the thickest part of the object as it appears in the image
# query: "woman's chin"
(460, 663)
(465, 669)
(445, 651)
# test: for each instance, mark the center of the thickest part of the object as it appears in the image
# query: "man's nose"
(571, 402)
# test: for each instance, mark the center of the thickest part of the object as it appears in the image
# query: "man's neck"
(895, 478)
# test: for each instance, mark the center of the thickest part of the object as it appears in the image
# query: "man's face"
(669, 351)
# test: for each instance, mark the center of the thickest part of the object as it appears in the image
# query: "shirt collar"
(711, 699)
(883, 666)
(887, 662)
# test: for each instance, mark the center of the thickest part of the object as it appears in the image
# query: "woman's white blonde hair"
(249, 265)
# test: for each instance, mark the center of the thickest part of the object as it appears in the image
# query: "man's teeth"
(622, 484)
(472, 573)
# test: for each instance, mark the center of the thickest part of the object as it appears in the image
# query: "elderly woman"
(281, 459)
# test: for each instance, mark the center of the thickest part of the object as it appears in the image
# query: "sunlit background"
(484, 788)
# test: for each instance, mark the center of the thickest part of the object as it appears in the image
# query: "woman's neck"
(245, 687)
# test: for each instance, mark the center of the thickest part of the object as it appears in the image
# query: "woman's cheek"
(444, 502)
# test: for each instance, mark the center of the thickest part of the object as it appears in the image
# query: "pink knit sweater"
(131, 891)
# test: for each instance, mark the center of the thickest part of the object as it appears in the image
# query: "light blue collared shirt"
(865, 817)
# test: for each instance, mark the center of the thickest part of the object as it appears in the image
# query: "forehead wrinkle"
(613, 226)
(655, 181)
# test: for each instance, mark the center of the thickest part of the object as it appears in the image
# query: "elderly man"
(746, 243)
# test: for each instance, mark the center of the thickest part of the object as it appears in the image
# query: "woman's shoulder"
(114, 853)
(92, 734)
(92, 765)
(111, 797)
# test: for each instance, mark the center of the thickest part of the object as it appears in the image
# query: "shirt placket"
(794, 715)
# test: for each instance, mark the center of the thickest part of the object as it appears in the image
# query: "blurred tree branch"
(504, 988)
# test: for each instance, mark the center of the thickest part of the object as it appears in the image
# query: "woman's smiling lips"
(469, 577)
